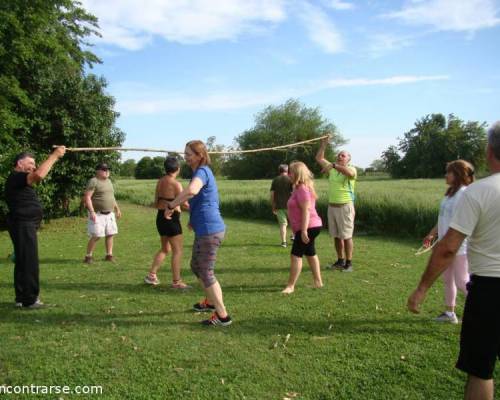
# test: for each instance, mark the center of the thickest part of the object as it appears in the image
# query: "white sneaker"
(447, 316)
(151, 281)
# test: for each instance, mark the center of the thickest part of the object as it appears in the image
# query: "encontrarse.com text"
(41, 389)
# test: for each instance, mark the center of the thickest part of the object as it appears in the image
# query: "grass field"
(394, 207)
(353, 339)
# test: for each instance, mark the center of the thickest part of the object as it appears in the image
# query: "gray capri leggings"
(204, 255)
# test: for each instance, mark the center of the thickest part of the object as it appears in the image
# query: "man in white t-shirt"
(477, 217)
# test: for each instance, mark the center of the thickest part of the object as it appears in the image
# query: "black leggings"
(299, 248)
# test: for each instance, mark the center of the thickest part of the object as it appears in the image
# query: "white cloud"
(393, 80)
(385, 42)
(339, 4)
(138, 99)
(452, 15)
(131, 24)
(320, 28)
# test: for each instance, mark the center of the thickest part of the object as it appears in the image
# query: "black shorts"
(299, 248)
(480, 336)
(168, 227)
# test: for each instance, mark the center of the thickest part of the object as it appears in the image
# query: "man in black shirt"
(23, 219)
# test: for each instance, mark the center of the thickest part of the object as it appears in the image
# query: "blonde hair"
(301, 175)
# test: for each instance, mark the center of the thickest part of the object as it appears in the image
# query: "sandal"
(180, 285)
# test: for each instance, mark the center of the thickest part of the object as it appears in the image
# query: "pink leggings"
(455, 276)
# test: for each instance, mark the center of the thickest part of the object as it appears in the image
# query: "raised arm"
(320, 155)
(41, 172)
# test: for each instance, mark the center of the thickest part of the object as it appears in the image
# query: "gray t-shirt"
(103, 198)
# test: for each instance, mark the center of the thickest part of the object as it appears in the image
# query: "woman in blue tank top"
(209, 228)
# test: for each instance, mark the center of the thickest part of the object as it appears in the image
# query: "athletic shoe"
(292, 237)
(348, 266)
(180, 285)
(203, 306)
(339, 264)
(109, 258)
(215, 320)
(35, 306)
(151, 281)
(19, 304)
(88, 260)
(447, 317)
(283, 244)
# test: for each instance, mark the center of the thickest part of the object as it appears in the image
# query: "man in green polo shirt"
(99, 198)
(342, 178)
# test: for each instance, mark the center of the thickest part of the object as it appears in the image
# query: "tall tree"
(280, 125)
(47, 97)
(150, 168)
(424, 150)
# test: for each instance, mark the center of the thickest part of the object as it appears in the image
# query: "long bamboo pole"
(286, 146)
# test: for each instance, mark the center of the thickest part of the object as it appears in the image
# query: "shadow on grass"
(260, 326)
(257, 270)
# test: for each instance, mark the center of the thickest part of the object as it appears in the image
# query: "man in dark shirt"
(23, 220)
(281, 189)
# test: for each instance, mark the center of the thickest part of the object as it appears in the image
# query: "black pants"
(26, 270)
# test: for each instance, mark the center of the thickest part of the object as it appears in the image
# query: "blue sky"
(190, 69)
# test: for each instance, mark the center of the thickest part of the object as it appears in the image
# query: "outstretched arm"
(441, 258)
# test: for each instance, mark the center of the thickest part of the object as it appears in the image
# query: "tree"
(47, 98)
(150, 168)
(217, 160)
(127, 168)
(280, 125)
(378, 165)
(424, 150)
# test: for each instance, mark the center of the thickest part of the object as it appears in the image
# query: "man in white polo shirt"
(99, 198)
(477, 217)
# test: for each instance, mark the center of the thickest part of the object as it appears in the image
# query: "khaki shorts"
(282, 216)
(341, 221)
(104, 225)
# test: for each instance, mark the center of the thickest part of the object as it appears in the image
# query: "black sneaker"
(348, 267)
(340, 264)
(203, 306)
(215, 320)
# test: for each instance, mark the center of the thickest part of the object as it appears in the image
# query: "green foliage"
(378, 166)
(47, 98)
(127, 168)
(432, 143)
(275, 126)
(353, 339)
(217, 161)
(150, 168)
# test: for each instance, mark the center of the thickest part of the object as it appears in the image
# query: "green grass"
(353, 339)
(397, 207)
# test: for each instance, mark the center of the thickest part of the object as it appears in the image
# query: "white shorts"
(104, 225)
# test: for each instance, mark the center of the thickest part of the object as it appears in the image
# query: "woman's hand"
(168, 211)
(305, 237)
(427, 242)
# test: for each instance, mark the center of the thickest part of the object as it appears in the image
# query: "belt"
(338, 205)
(104, 212)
